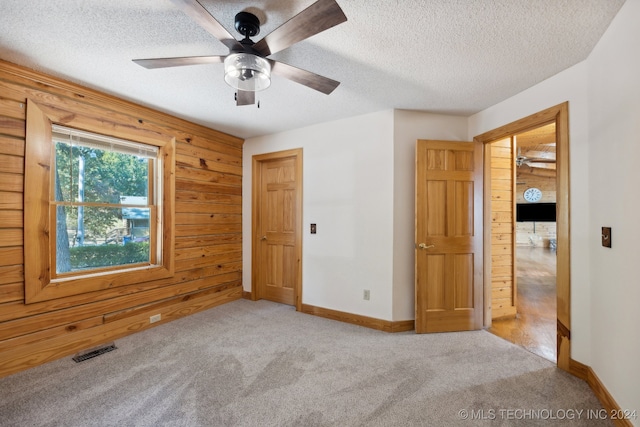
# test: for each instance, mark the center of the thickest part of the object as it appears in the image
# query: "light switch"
(606, 237)
(313, 229)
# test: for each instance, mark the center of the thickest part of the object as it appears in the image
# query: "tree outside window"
(102, 198)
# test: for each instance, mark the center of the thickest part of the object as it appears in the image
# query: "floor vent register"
(94, 352)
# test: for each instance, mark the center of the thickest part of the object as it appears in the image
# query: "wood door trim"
(258, 160)
(560, 115)
(514, 258)
(486, 228)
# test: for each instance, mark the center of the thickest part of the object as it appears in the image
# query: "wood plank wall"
(503, 295)
(208, 239)
(544, 231)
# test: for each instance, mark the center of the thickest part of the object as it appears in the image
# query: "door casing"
(560, 115)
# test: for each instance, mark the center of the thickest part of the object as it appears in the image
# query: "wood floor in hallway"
(534, 327)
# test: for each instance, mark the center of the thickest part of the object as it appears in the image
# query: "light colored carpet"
(263, 364)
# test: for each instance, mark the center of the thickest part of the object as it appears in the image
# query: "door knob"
(263, 238)
(425, 246)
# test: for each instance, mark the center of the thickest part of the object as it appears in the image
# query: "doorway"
(532, 323)
(557, 115)
(277, 227)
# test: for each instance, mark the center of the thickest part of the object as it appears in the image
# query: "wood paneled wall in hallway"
(208, 239)
(503, 285)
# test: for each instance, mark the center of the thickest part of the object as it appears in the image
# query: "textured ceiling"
(443, 56)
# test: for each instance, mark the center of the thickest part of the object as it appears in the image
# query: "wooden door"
(278, 227)
(449, 270)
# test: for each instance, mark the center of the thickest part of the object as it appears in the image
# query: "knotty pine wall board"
(208, 238)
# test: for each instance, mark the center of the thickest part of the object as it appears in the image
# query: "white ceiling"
(443, 56)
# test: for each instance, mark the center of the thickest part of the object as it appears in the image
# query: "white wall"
(359, 188)
(569, 85)
(614, 164)
(410, 126)
(359, 185)
(604, 116)
(348, 193)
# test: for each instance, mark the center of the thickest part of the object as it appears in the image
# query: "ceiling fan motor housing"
(247, 24)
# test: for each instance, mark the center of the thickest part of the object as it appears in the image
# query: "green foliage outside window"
(83, 257)
(93, 182)
(107, 176)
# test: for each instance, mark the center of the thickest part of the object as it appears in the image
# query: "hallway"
(534, 327)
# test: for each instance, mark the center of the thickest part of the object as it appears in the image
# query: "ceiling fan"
(524, 160)
(246, 67)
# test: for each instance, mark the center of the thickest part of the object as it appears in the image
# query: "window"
(104, 198)
(98, 204)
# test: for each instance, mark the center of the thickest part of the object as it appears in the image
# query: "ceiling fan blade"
(198, 13)
(245, 97)
(178, 62)
(306, 78)
(318, 17)
(540, 160)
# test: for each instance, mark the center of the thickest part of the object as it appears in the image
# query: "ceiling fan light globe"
(247, 72)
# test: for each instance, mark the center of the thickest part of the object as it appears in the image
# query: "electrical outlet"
(155, 318)
(366, 295)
